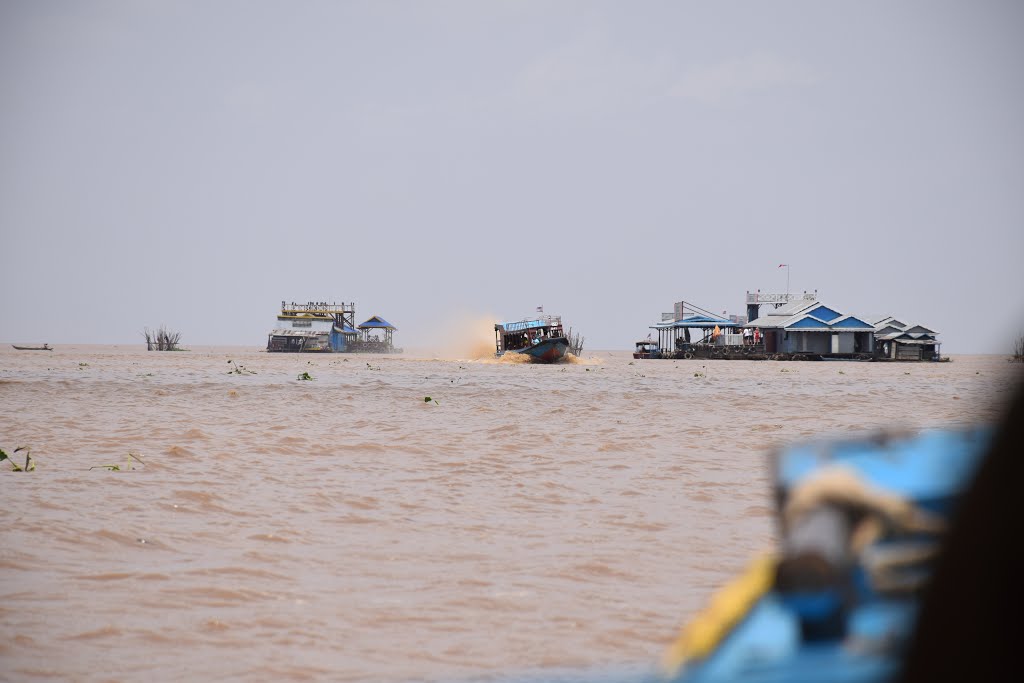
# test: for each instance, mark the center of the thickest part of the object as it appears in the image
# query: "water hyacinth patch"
(239, 369)
(30, 464)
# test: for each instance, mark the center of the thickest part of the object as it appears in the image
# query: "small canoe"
(44, 347)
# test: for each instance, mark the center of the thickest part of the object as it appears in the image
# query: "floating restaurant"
(321, 327)
(795, 327)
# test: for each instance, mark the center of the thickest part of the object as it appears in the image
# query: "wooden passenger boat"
(540, 339)
(44, 347)
(645, 348)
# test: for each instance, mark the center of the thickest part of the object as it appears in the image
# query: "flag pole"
(786, 266)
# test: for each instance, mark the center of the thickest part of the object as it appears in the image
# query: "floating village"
(787, 327)
(775, 327)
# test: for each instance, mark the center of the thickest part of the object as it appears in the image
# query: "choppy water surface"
(344, 529)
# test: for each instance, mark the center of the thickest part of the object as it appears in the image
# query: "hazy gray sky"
(194, 163)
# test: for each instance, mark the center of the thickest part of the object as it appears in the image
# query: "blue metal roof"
(825, 313)
(520, 325)
(377, 322)
(345, 330)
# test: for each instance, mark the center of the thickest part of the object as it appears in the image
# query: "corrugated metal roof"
(377, 322)
(806, 321)
(695, 321)
(776, 317)
(858, 324)
(794, 307)
(345, 330)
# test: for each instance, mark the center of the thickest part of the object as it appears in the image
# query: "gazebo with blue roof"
(375, 343)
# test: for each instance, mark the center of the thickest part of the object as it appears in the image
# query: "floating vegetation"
(82, 365)
(702, 373)
(372, 367)
(129, 464)
(305, 377)
(428, 399)
(30, 464)
(239, 369)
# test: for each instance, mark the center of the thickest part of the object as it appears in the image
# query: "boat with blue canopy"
(541, 338)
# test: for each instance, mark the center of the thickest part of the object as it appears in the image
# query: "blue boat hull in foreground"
(546, 350)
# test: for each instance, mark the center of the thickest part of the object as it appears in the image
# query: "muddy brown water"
(343, 528)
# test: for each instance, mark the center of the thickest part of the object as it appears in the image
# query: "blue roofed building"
(810, 328)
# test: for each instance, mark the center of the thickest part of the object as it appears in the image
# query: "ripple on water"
(340, 521)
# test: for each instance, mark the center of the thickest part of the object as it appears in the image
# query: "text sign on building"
(766, 298)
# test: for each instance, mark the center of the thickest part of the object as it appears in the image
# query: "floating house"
(318, 326)
(807, 328)
(897, 340)
(315, 326)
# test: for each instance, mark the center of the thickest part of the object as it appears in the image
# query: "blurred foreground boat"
(861, 521)
(860, 524)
